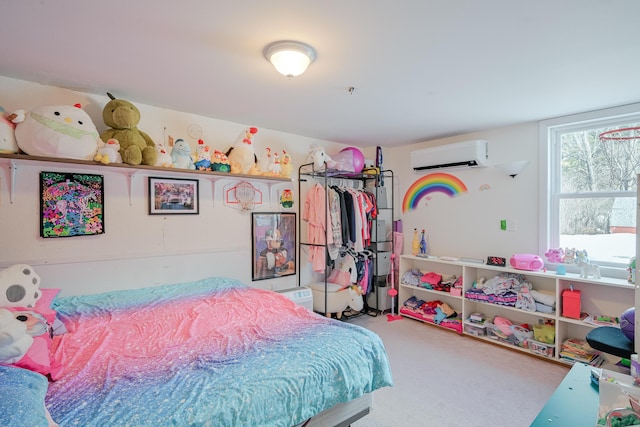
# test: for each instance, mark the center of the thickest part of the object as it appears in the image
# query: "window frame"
(549, 200)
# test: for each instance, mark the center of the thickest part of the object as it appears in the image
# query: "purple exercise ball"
(627, 323)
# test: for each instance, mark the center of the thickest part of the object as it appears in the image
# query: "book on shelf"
(602, 320)
(594, 359)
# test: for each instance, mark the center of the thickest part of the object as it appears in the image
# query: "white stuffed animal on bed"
(15, 341)
(19, 286)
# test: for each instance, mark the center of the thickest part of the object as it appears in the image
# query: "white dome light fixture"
(289, 57)
(513, 168)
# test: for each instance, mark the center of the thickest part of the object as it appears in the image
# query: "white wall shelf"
(13, 161)
(606, 296)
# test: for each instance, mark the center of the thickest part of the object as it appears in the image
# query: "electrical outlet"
(512, 225)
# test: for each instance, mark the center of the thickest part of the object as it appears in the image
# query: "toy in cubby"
(502, 329)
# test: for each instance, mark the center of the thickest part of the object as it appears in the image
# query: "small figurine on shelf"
(423, 244)
(202, 160)
(286, 165)
(415, 247)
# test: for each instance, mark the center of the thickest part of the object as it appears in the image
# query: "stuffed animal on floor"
(7, 134)
(241, 155)
(62, 131)
(136, 147)
(108, 152)
(181, 155)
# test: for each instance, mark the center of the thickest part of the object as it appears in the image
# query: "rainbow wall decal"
(432, 183)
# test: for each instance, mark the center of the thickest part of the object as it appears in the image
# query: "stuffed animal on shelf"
(108, 152)
(265, 160)
(61, 131)
(163, 157)
(181, 155)
(219, 162)
(203, 156)
(555, 255)
(318, 157)
(241, 155)
(285, 165)
(7, 134)
(136, 147)
(275, 169)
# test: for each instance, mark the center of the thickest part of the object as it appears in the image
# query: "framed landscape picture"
(171, 196)
(71, 204)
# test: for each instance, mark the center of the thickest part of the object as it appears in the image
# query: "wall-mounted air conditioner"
(457, 155)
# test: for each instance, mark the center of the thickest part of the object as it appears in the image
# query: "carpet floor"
(444, 379)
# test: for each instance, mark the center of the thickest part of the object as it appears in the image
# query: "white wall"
(468, 225)
(220, 237)
(184, 247)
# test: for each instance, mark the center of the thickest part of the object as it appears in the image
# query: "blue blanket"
(212, 352)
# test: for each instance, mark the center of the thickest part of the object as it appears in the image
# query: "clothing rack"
(307, 174)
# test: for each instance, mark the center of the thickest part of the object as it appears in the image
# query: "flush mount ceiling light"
(290, 58)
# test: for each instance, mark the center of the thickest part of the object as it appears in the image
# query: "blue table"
(574, 403)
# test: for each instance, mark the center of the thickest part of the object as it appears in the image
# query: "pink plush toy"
(555, 255)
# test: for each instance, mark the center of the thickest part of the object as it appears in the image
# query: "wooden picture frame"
(71, 204)
(273, 245)
(173, 196)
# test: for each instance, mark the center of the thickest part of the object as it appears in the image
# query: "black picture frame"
(173, 196)
(273, 245)
(71, 204)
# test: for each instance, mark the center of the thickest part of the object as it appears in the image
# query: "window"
(590, 166)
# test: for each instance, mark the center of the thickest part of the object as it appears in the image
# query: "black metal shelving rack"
(381, 245)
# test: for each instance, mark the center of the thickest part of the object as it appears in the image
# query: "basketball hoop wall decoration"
(243, 196)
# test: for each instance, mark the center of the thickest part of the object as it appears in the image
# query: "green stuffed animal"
(136, 147)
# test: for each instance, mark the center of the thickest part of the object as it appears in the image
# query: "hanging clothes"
(314, 212)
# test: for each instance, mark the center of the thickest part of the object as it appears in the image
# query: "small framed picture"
(173, 196)
(273, 238)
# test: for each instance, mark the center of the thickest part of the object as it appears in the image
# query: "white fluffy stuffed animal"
(19, 286)
(242, 156)
(64, 131)
(14, 339)
(108, 152)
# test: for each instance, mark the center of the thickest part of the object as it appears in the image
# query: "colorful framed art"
(171, 196)
(273, 237)
(71, 204)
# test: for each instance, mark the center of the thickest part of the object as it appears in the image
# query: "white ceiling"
(422, 69)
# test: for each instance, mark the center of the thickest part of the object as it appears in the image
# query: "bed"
(213, 352)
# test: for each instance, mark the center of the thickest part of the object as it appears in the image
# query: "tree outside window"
(593, 169)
